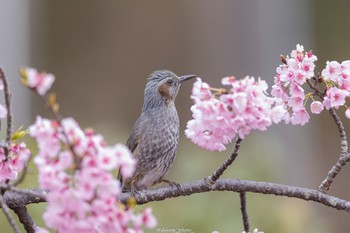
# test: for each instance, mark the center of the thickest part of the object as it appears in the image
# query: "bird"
(154, 138)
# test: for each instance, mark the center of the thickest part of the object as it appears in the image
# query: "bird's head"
(163, 85)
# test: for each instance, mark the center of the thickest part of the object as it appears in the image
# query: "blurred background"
(101, 53)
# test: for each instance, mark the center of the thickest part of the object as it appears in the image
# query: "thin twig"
(7, 95)
(216, 175)
(58, 117)
(342, 132)
(344, 157)
(245, 217)
(8, 215)
(326, 183)
(315, 88)
(25, 218)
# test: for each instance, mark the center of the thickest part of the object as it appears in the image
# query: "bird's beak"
(186, 77)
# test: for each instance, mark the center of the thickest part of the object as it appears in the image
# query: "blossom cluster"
(12, 163)
(75, 167)
(296, 70)
(245, 107)
(17, 158)
(41, 82)
(337, 78)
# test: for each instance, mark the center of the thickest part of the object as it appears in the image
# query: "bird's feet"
(171, 183)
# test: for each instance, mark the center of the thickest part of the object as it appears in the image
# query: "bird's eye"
(170, 82)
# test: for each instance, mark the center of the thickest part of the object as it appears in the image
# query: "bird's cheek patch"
(164, 90)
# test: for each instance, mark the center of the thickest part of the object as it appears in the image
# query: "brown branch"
(21, 197)
(342, 132)
(344, 157)
(236, 185)
(216, 175)
(7, 95)
(245, 217)
(314, 87)
(8, 215)
(15, 197)
(25, 218)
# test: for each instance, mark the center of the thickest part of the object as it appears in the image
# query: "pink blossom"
(228, 80)
(336, 97)
(41, 230)
(300, 117)
(278, 92)
(296, 90)
(3, 112)
(278, 113)
(332, 71)
(347, 113)
(126, 162)
(201, 90)
(300, 66)
(40, 81)
(17, 159)
(296, 103)
(146, 218)
(83, 192)
(45, 132)
(209, 128)
(216, 121)
(74, 134)
(316, 107)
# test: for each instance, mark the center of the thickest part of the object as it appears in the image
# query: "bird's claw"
(172, 183)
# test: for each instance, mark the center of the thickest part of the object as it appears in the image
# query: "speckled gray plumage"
(155, 135)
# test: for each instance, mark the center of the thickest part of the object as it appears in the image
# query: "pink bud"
(316, 107)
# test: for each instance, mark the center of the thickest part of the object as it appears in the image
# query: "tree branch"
(236, 185)
(7, 95)
(8, 215)
(216, 175)
(245, 217)
(342, 132)
(15, 197)
(344, 155)
(21, 197)
(25, 218)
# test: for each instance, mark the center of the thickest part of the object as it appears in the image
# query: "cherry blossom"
(300, 117)
(216, 121)
(316, 107)
(332, 71)
(347, 113)
(40, 81)
(296, 70)
(76, 171)
(335, 97)
(17, 158)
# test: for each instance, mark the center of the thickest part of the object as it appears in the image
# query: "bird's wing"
(135, 137)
